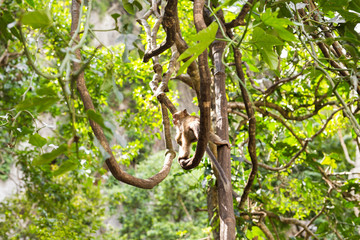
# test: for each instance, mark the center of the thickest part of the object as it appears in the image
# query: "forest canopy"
(92, 113)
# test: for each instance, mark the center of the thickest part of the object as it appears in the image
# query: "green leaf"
(263, 40)
(7, 22)
(128, 7)
(115, 16)
(39, 103)
(327, 160)
(31, 3)
(97, 117)
(37, 19)
(46, 91)
(108, 81)
(286, 35)
(66, 167)
(270, 57)
(4, 30)
(37, 140)
(204, 38)
(333, 5)
(225, 4)
(138, 5)
(48, 157)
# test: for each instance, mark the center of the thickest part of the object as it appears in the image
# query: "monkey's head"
(179, 115)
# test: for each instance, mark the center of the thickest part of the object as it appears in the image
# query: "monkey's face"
(185, 138)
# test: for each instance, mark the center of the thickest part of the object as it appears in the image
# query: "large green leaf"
(39, 103)
(271, 19)
(263, 40)
(333, 5)
(270, 57)
(286, 35)
(204, 38)
(48, 157)
(37, 140)
(128, 7)
(279, 24)
(31, 3)
(65, 167)
(37, 19)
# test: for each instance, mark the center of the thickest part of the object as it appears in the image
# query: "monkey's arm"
(217, 140)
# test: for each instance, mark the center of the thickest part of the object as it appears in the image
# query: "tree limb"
(205, 100)
(169, 27)
(239, 20)
(111, 162)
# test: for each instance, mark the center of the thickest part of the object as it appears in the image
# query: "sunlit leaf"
(270, 57)
(39, 103)
(37, 19)
(204, 38)
(31, 3)
(48, 157)
(66, 167)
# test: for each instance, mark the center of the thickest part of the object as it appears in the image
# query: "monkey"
(187, 132)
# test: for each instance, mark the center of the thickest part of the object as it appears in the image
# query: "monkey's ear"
(185, 112)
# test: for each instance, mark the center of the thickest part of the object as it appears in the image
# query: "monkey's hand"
(187, 164)
(224, 142)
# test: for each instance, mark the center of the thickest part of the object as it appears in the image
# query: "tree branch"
(252, 126)
(205, 100)
(169, 27)
(111, 162)
(239, 20)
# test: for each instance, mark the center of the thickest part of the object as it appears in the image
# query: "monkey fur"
(187, 132)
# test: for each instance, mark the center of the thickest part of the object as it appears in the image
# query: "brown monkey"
(188, 128)
(187, 132)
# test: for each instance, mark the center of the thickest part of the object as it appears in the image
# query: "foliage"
(303, 89)
(167, 211)
(52, 207)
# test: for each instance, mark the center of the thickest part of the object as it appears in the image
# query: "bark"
(212, 203)
(226, 209)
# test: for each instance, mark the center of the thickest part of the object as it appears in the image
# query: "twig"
(343, 145)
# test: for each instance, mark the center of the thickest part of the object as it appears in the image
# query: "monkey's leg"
(218, 141)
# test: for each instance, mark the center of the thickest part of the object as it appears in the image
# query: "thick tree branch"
(265, 230)
(226, 210)
(205, 100)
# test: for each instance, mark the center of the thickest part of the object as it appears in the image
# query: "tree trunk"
(226, 209)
